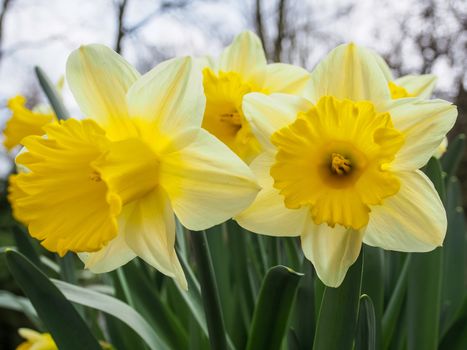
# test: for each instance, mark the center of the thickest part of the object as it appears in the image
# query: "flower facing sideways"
(24, 122)
(107, 187)
(341, 167)
(35, 340)
(241, 69)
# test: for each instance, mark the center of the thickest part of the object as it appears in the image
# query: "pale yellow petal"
(413, 220)
(115, 254)
(170, 96)
(418, 85)
(285, 78)
(267, 214)
(424, 124)
(269, 113)
(99, 79)
(332, 250)
(150, 232)
(244, 56)
(349, 72)
(206, 182)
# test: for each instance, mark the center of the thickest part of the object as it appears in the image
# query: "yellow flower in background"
(109, 187)
(24, 122)
(341, 167)
(241, 69)
(36, 340)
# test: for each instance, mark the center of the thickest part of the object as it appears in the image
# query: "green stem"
(209, 292)
(52, 95)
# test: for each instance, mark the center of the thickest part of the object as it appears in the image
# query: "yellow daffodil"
(108, 187)
(241, 69)
(341, 167)
(36, 340)
(24, 122)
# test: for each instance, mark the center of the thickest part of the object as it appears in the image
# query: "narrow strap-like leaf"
(366, 335)
(52, 95)
(59, 316)
(273, 307)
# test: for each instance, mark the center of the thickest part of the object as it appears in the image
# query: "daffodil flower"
(108, 186)
(24, 122)
(241, 69)
(341, 167)
(35, 340)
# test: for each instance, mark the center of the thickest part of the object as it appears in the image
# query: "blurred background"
(414, 36)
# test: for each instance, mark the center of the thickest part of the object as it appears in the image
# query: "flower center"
(224, 117)
(335, 160)
(340, 165)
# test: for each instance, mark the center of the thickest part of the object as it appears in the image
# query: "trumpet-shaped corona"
(334, 158)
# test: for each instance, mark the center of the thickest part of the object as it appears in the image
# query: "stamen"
(95, 176)
(232, 118)
(340, 165)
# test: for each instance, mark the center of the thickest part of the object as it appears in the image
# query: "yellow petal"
(63, 201)
(269, 113)
(424, 125)
(245, 56)
(349, 72)
(413, 220)
(23, 122)
(268, 214)
(331, 250)
(149, 228)
(206, 182)
(418, 85)
(115, 254)
(99, 79)
(169, 96)
(285, 78)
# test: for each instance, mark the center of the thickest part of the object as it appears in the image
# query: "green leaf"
(14, 302)
(373, 286)
(303, 318)
(52, 95)
(423, 300)
(339, 310)
(394, 307)
(149, 304)
(209, 291)
(26, 246)
(273, 307)
(452, 158)
(435, 173)
(456, 337)
(366, 335)
(59, 316)
(114, 307)
(453, 255)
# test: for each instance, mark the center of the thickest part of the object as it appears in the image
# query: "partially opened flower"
(342, 167)
(241, 69)
(24, 122)
(35, 340)
(108, 187)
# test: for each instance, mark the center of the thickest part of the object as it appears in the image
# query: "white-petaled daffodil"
(241, 69)
(341, 166)
(108, 186)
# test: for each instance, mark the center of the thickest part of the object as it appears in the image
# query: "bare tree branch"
(259, 24)
(3, 11)
(120, 26)
(281, 15)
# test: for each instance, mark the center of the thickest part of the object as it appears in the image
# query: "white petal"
(113, 255)
(170, 95)
(331, 250)
(413, 220)
(268, 214)
(419, 85)
(99, 79)
(150, 232)
(269, 113)
(285, 78)
(424, 124)
(244, 56)
(206, 182)
(349, 72)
